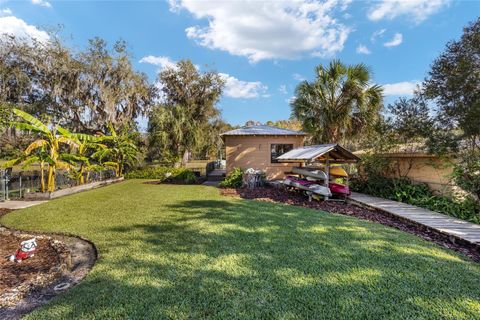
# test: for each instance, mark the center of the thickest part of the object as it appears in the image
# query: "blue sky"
(262, 48)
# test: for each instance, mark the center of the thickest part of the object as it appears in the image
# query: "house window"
(277, 150)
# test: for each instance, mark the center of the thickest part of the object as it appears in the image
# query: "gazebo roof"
(336, 153)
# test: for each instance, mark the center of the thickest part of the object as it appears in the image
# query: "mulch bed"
(277, 195)
(60, 262)
(19, 279)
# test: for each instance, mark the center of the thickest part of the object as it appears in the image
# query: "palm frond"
(113, 133)
(26, 127)
(30, 160)
(83, 137)
(64, 132)
(32, 120)
(68, 141)
(35, 145)
(12, 162)
(110, 164)
(64, 165)
(72, 157)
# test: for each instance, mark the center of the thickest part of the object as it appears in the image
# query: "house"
(259, 146)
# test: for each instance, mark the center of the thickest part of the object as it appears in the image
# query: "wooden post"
(327, 170)
(20, 184)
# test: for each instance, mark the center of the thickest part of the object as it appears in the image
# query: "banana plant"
(81, 154)
(39, 157)
(46, 149)
(121, 151)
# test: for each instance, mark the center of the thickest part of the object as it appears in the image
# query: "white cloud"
(235, 88)
(418, 10)
(17, 27)
(161, 62)
(298, 77)
(290, 100)
(283, 89)
(263, 30)
(363, 49)
(5, 12)
(42, 3)
(396, 40)
(404, 88)
(377, 34)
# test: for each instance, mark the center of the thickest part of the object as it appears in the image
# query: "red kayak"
(338, 188)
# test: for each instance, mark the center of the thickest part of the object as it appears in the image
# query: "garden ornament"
(27, 250)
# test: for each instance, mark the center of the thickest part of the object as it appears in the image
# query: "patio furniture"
(252, 178)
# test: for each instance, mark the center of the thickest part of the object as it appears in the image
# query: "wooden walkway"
(453, 227)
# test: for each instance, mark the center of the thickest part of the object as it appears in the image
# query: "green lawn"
(185, 252)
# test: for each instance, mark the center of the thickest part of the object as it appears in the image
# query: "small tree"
(453, 84)
(178, 126)
(47, 146)
(81, 156)
(466, 174)
(120, 151)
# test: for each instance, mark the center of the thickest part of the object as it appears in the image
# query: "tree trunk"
(42, 176)
(51, 179)
(81, 178)
(186, 157)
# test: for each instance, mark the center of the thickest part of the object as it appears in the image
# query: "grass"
(185, 252)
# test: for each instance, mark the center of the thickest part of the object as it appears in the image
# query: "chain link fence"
(15, 184)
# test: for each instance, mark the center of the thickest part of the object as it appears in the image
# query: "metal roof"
(262, 130)
(318, 152)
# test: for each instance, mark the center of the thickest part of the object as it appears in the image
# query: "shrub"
(403, 190)
(183, 176)
(466, 173)
(164, 174)
(234, 179)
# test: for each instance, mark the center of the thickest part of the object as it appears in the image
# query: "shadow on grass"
(245, 259)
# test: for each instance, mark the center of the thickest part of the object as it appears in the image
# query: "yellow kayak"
(338, 172)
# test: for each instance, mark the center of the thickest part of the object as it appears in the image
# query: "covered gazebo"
(324, 153)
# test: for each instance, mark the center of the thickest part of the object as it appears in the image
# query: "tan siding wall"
(432, 171)
(254, 152)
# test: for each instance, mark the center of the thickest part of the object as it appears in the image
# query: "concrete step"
(216, 175)
(215, 178)
(217, 172)
(211, 183)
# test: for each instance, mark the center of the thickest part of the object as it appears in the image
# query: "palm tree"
(340, 103)
(120, 152)
(46, 148)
